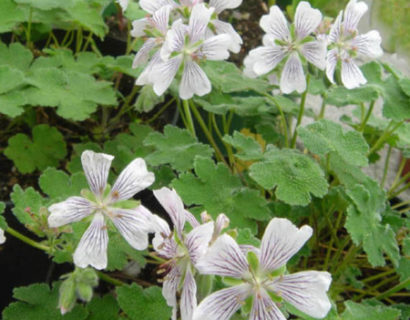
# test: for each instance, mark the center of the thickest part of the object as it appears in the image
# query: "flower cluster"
(259, 274)
(178, 37)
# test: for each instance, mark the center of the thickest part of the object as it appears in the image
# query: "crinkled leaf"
(45, 149)
(245, 236)
(227, 77)
(103, 308)
(340, 96)
(10, 78)
(217, 191)
(147, 99)
(12, 103)
(139, 303)
(16, 56)
(76, 95)
(360, 311)
(296, 176)
(175, 147)
(325, 136)
(10, 15)
(39, 302)
(248, 148)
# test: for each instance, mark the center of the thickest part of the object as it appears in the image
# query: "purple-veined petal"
(134, 178)
(245, 248)
(163, 73)
(368, 44)
(249, 63)
(134, 225)
(190, 3)
(198, 22)
(160, 18)
(164, 243)
(96, 168)
(331, 63)
(198, 239)
(175, 40)
(138, 27)
(71, 210)
(305, 290)
(92, 249)
(293, 77)
(281, 240)
(307, 19)
(2, 237)
(191, 219)
(188, 296)
(221, 5)
(222, 304)
(144, 77)
(315, 52)
(222, 27)
(224, 258)
(222, 222)
(266, 58)
(263, 308)
(216, 47)
(352, 76)
(154, 5)
(173, 205)
(276, 24)
(353, 13)
(335, 29)
(194, 81)
(142, 55)
(170, 285)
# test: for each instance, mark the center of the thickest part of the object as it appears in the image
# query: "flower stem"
(387, 133)
(188, 117)
(368, 114)
(166, 105)
(108, 279)
(301, 113)
(27, 240)
(393, 290)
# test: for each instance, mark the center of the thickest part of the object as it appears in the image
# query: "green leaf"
(245, 236)
(59, 186)
(325, 136)
(10, 78)
(26, 202)
(39, 302)
(248, 147)
(147, 304)
(16, 56)
(295, 176)
(217, 191)
(103, 308)
(396, 102)
(12, 103)
(76, 95)
(3, 223)
(10, 15)
(227, 77)
(405, 85)
(340, 96)
(45, 149)
(147, 99)
(175, 147)
(358, 311)
(46, 4)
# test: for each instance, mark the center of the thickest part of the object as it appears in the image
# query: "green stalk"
(228, 148)
(369, 113)
(27, 240)
(322, 108)
(161, 110)
(393, 290)
(188, 117)
(386, 166)
(387, 133)
(29, 23)
(108, 279)
(301, 113)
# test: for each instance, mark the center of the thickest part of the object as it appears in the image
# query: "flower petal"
(305, 290)
(266, 58)
(142, 55)
(145, 76)
(173, 205)
(194, 81)
(281, 240)
(170, 286)
(352, 76)
(175, 40)
(276, 24)
(198, 239)
(315, 52)
(216, 47)
(293, 77)
(154, 5)
(163, 73)
(224, 258)
(134, 225)
(331, 63)
(2, 237)
(71, 210)
(263, 308)
(222, 27)
(353, 13)
(134, 178)
(138, 27)
(307, 19)
(221, 5)
(222, 304)
(164, 243)
(222, 222)
(198, 22)
(161, 18)
(188, 296)
(368, 44)
(92, 249)
(123, 4)
(336, 29)
(96, 168)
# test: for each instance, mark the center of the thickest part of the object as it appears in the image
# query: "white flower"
(182, 251)
(281, 43)
(2, 237)
(260, 274)
(133, 223)
(346, 44)
(185, 46)
(123, 4)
